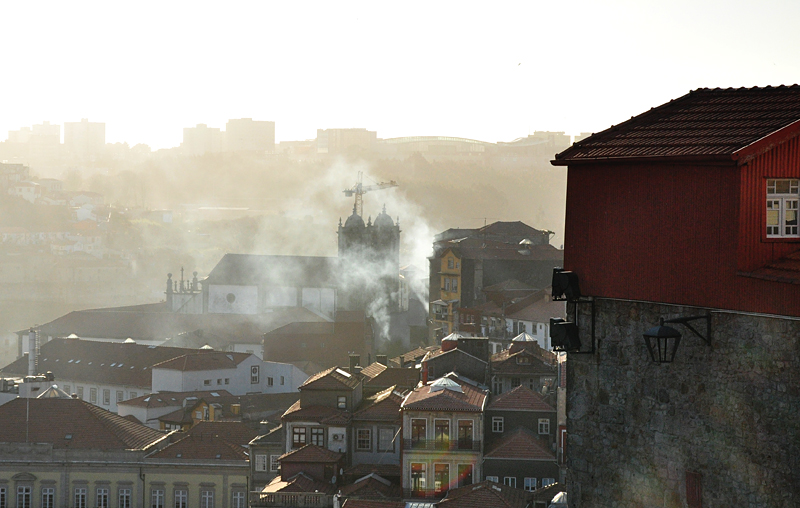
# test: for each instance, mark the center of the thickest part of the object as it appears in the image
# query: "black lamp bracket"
(686, 321)
(575, 304)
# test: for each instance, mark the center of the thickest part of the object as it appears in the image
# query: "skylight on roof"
(120, 365)
(147, 399)
(214, 394)
(113, 364)
(70, 361)
(445, 384)
(345, 374)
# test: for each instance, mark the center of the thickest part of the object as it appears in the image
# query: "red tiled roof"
(166, 399)
(98, 362)
(520, 398)
(331, 379)
(211, 440)
(423, 399)
(373, 369)
(71, 423)
(311, 453)
(519, 444)
(373, 486)
(373, 503)
(414, 355)
(505, 362)
(786, 269)
(204, 360)
(383, 406)
(299, 483)
(485, 494)
(320, 414)
(714, 123)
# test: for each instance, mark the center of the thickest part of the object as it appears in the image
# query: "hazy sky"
(486, 70)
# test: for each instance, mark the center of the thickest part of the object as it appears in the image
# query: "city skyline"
(442, 69)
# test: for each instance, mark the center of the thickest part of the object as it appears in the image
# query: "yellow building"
(443, 309)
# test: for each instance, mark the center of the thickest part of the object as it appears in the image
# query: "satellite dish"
(333, 480)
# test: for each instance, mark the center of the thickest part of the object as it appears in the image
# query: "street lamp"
(662, 341)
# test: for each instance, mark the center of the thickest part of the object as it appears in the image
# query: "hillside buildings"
(681, 229)
(84, 139)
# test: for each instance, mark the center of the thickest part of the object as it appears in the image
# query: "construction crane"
(359, 189)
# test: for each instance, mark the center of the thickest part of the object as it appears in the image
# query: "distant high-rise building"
(335, 141)
(248, 135)
(84, 138)
(202, 139)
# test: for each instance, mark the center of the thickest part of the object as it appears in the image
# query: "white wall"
(232, 299)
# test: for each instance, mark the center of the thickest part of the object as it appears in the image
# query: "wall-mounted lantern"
(565, 285)
(564, 335)
(662, 341)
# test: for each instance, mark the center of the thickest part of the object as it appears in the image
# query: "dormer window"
(782, 208)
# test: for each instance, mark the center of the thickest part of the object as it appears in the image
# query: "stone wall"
(730, 412)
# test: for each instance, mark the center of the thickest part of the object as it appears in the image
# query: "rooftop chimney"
(382, 359)
(355, 361)
(31, 352)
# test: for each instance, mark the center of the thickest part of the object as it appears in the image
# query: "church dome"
(383, 219)
(354, 221)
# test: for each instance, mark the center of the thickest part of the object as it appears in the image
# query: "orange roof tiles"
(703, 123)
(485, 494)
(311, 453)
(320, 414)
(519, 444)
(383, 405)
(71, 423)
(211, 440)
(520, 398)
(299, 483)
(204, 360)
(423, 399)
(333, 378)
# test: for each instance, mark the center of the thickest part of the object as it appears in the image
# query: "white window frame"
(382, 431)
(181, 497)
(124, 498)
(548, 481)
(783, 203)
(120, 396)
(495, 479)
(106, 397)
(48, 498)
(498, 422)
(238, 499)
(101, 497)
(261, 463)
(206, 499)
(80, 497)
(93, 395)
(530, 484)
(511, 481)
(25, 496)
(317, 436)
(544, 426)
(274, 463)
(255, 374)
(360, 448)
(341, 402)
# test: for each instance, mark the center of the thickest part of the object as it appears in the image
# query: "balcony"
(293, 499)
(465, 445)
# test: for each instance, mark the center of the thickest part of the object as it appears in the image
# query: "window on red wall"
(783, 206)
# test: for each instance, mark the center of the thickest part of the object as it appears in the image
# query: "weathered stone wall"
(730, 412)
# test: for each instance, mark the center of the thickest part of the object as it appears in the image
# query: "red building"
(689, 209)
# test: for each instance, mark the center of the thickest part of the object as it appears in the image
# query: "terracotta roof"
(210, 440)
(167, 399)
(485, 494)
(709, 123)
(299, 483)
(373, 369)
(520, 398)
(786, 269)
(372, 503)
(71, 423)
(506, 363)
(204, 360)
(311, 453)
(471, 398)
(320, 414)
(383, 406)
(519, 444)
(477, 248)
(373, 486)
(331, 379)
(97, 362)
(414, 355)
